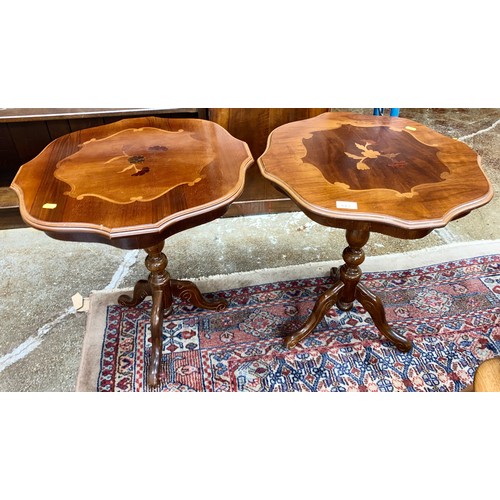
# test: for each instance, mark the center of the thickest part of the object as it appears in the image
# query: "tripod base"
(347, 288)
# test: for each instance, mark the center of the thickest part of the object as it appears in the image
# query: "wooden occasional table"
(371, 173)
(132, 184)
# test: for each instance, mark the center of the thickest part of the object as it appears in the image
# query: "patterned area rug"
(450, 311)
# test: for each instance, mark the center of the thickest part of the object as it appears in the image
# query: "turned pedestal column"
(162, 290)
(132, 184)
(346, 289)
(364, 174)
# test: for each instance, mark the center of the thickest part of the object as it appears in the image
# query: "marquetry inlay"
(129, 166)
(108, 168)
(393, 172)
(370, 158)
(371, 174)
(366, 154)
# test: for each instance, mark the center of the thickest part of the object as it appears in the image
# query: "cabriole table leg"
(346, 289)
(188, 291)
(158, 286)
(162, 289)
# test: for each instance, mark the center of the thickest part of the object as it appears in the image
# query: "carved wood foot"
(188, 291)
(321, 307)
(373, 304)
(346, 289)
(141, 290)
(158, 286)
(162, 289)
(157, 312)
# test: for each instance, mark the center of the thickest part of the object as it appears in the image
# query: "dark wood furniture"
(24, 132)
(132, 184)
(371, 173)
(253, 125)
(487, 376)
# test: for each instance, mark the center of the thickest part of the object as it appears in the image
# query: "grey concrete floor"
(41, 335)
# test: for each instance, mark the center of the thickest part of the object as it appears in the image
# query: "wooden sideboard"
(24, 133)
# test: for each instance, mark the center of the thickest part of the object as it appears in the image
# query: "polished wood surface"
(24, 132)
(345, 290)
(134, 182)
(400, 176)
(487, 376)
(253, 125)
(163, 289)
(371, 173)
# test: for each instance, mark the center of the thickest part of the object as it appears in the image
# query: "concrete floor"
(41, 335)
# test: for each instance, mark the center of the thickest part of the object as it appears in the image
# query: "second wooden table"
(371, 173)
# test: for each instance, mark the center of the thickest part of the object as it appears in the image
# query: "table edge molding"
(132, 231)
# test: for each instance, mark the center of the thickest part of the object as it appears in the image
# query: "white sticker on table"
(351, 205)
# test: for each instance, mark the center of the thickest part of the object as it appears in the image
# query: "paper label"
(351, 205)
(79, 303)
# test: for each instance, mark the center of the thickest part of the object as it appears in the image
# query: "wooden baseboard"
(10, 218)
(260, 207)
(8, 198)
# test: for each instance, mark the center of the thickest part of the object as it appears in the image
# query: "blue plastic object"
(380, 111)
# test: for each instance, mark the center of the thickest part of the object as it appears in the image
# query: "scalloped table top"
(397, 175)
(118, 183)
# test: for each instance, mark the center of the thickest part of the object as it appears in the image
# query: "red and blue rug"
(450, 311)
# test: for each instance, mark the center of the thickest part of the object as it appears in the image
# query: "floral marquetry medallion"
(134, 181)
(132, 184)
(390, 172)
(131, 165)
(370, 174)
(371, 158)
